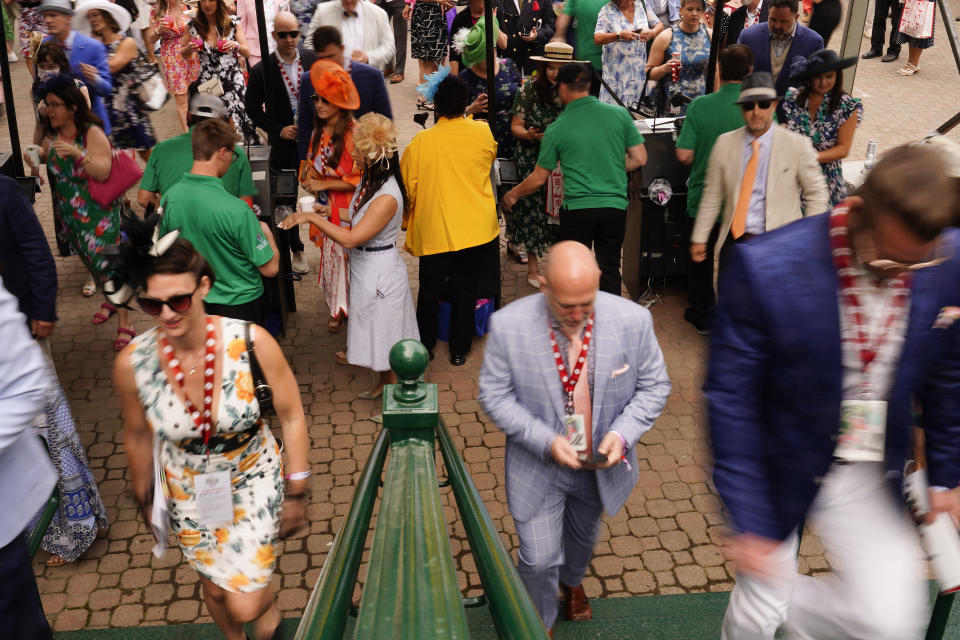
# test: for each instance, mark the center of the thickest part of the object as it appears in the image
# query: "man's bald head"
(285, 21)
(570, 283)
(285, 25)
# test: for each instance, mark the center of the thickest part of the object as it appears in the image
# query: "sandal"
(89, 289)
(124, 335)
(519, 254)
(342, 357)
(100, 317)
(424, 105)
(335, 325)
(396, 78)
(908, 69)
(367, 395)
(56, 561)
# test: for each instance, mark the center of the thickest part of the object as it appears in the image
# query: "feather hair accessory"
(432, 81)
(459, 39)
(129, 261)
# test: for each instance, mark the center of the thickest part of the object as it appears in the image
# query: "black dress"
(826, 16)
(428, 32)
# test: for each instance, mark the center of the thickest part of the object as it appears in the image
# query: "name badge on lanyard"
(863, 430)
(576, 433)
(214, 498)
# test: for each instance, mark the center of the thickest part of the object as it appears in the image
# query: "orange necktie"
(581, 393)
(739, 225)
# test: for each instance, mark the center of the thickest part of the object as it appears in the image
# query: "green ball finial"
(409, 359)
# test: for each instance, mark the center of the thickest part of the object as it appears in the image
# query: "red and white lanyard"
(569, 380)
(294, 89)
(204, 420)
(846, 272)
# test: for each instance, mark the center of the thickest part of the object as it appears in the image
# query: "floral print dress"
(90, 227)
(241, 556)
(507, 83)
(823, 131)
(624, 63)
(694, 50)
(178, 73)
(131, 127)
(527, 224)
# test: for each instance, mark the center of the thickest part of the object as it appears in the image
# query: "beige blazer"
(793, 171)
(378, 41)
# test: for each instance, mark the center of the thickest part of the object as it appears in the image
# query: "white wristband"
(300, 475)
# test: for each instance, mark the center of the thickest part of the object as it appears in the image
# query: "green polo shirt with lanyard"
(590, 140)
(708, 117)
(586, 12)
(224, 230)
(172, 158)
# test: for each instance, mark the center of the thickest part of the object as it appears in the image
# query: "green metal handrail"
(513, 612)
(325, 616)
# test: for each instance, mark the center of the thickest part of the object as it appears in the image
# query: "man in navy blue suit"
(829, 332)
(88, 57)
(778, 42)
(328, 45)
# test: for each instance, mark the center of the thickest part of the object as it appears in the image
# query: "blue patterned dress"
(823, 132)
(624, 63)
(694, 50)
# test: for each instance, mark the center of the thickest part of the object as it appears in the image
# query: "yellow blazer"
(446, 172)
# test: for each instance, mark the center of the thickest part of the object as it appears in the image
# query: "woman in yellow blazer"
(452, 215)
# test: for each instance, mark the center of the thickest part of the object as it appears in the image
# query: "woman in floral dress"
(192, 360)
(79, 150)
(529, 224)
(219, 45)
(690, 42)
(623, 29)
(332, 175)
(823, 112)
(168, 21)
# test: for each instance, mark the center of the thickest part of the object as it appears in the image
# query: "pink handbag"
(124, 173)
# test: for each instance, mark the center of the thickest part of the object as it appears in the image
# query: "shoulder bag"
(260, 387)
(124, 173)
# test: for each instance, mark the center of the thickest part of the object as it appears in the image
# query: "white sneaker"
(299, 263)
(12, 57)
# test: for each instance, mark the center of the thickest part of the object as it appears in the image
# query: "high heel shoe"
(908, 69)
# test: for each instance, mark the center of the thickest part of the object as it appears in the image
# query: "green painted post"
(410, 408)
(941, 613)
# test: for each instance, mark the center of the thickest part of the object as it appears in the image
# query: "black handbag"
(260, 387)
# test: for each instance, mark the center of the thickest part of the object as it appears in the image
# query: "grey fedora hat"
(61, 6)
(757, 86)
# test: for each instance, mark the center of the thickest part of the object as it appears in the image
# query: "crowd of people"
(767, 203)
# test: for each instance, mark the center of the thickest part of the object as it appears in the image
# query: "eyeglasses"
(750, 106)
(233, 153)
(318, 98)
(178, 304)
(287, 34)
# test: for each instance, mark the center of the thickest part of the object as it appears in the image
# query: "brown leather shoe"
(550, 633)
(578, 607)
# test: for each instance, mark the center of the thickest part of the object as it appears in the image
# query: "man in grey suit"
(616, 389)
(26, 474)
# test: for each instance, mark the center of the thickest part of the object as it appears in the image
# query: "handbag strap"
(259, 381)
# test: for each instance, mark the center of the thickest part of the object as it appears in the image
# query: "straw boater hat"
(120, 15)
(375, 138)
(556, 52)
(757, 86)
(333, 84)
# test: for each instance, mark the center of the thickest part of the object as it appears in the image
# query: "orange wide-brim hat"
(333, 84)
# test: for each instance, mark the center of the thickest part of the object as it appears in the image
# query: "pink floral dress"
(179, 73)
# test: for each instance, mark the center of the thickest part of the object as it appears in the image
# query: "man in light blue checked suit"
(556, 497)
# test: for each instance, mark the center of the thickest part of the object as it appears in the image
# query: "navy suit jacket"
(774, 381)
(373, 97)
(92, 52)
(26, 263)
(757, 37)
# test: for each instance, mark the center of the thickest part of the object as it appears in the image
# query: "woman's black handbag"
(260, 387)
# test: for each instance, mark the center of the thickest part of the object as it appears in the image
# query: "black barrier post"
(720, 21)
(491, 69)
(268, 72)
(8, 98)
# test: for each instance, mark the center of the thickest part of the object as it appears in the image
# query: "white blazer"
(378, 41)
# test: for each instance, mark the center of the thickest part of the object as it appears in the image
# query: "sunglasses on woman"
(178, 304)
(318, 99)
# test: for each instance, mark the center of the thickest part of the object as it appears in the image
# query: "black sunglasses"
(178, 304)
(318, 98)
(287, 34)
(749, 106)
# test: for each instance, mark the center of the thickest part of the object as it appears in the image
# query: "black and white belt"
(383, 247)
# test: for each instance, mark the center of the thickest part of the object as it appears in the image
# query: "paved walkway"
(665, 541)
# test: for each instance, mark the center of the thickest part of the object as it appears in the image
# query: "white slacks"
(877, 591)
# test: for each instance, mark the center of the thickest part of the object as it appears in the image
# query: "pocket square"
(946, 318)
(620, 371)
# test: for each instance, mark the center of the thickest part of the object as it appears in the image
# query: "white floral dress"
(624, 63)
(239, 557)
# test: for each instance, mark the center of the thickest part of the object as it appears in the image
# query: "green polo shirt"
(708, 117)
(590, 140)
(586, 12)
(174, 157)
(224, 230)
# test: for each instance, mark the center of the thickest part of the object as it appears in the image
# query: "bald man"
(287, 65)
(570, 434)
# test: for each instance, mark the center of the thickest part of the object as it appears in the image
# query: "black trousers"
(601, 230)
(395, 16)
(881, 9)
(21, 612)
(461, 277)
(253, 311)
(700, 293)
(826, 16)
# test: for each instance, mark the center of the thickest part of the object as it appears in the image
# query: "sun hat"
(471, 43)
(207, 105)
(556, 52)
(120, 15)
(333, 84)
(61, 6)
(818, 63)
(757, 86)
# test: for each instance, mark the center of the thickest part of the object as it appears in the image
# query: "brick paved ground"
(664, 541)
